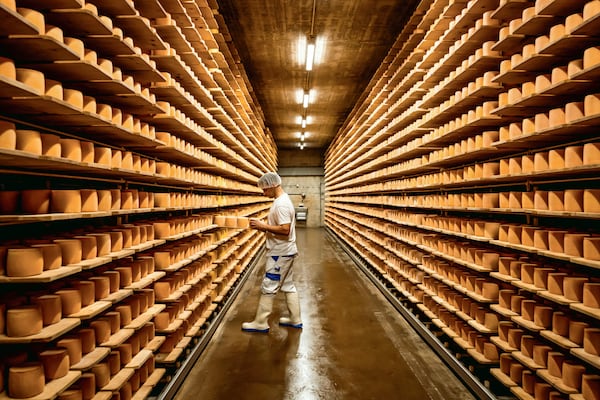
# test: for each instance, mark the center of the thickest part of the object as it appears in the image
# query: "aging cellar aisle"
(354, 344)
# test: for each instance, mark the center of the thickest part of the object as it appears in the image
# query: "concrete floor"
(354, 344)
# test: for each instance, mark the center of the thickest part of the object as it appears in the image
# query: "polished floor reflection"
(354, 344)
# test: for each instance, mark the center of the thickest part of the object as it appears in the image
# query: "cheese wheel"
(76, 46)
(104, 111)
(573, 200)
(89, 105)
(26, 380)
(50, 145)
(73, 347)
(89, 200)
(29, 141)
(115, 195)
(540, 239)
(127, 122)
(542, 82)
(162, 229)
(70, 300)
(591, 248)
(574, 156)
(8, 135)
(591, 105)
(87, 152)
(88, 247)
(9, 201)
(65, 201)
(102, 333)
(162, 200)
(101, 373)
(574, 111)
(542, 122)
(591, 57)
(103, 243)
(559, 75)
(591, 295)
(53, 89)
(22, 262)
(71, 250)
(70, 149)
(556, 159)
(556, 200)
(574, 244)
(51, 254)
(51, 308)
(36, 18)
(104, 200)
(103, 156)
(56, 363)
(101, 286)
(24, 321)
(7, 68)
(591, 200)
(106, 66)
(557, 117)
(116, 241)
(243, 222)
(32, 78)
(74, 98)
(591, 153)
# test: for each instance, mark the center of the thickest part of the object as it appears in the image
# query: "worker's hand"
(257, 224)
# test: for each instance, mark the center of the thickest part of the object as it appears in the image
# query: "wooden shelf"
(38, 48)
(47, 334)
(52, 389)
(92, 358)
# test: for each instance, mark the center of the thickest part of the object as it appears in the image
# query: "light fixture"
(302, 137)
(303, 122)
(305, 99)
(310, 54)
(301, 146)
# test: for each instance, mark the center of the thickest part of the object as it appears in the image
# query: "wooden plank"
(141, 32)
(145, 317)
(146, 281)
(108, 45)
(587, 357)
(78, 22)
(13, 88)
(538, 23)
(70, 71)
(36, 48)
(114, 7)
(44, 277)
(50, 4)
(52, 388)
(118, 380)
(118, 338)
(14, 24)
(589, 27)
(47, 334)
(139, 359)
(556, 382)
(92, 358)
(135, 65)
(92, 310)
(511, 9)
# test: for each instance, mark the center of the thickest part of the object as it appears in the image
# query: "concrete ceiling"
(355, 35)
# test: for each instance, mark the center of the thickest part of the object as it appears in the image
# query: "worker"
(280, 229)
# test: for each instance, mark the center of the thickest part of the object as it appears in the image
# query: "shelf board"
(38, 48)
(141, 32)
(557, 383)
(92, 358)
(44, 277)
(14, 24)
(52, 389)
(47, 334)
(92, 310)
(561, 341)
(591, 359)
(77, 22)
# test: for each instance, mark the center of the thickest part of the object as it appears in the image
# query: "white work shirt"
(282, 212)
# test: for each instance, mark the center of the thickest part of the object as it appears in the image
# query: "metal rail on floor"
(173, 385)
(471, 381)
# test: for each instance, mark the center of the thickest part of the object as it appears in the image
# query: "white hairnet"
(269, 180)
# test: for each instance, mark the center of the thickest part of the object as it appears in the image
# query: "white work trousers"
(278, 275)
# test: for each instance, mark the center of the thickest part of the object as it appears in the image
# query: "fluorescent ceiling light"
(304, 122)
(310, 55)
(302, 136)
(305, 100)
(301, 146)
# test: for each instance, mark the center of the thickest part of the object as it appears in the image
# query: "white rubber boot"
(293, 304)
(260, 323)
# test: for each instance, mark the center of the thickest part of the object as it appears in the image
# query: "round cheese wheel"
(29, 141)
(50, 145)
(51, 254)
(101, 329)
(87, 151)
(8, 134)
(116, 241)
(71, 250)
(73, 346)
(56, 363)
(76, 46)
(36, 18)
(103, 243)
(101, 286)
(89, 200)
(103, 156)
(24, 321)
(7, 68)
(101, 373)
(54, 89)
(591, 153)
(591, 341)
(162, 200)
(113, 280)
(114, 319)
(51, 308)
(26, 380)
(65, 201)
(70, 149)
(9, 201)
(86, 291)
(87, 336)
(125, 276)
(70, 300)
(125, 314)
(591, 248)
(89, 105)
(32, 78)
(104, 200)
(591, 295)
(162, 229)
(21, 262)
